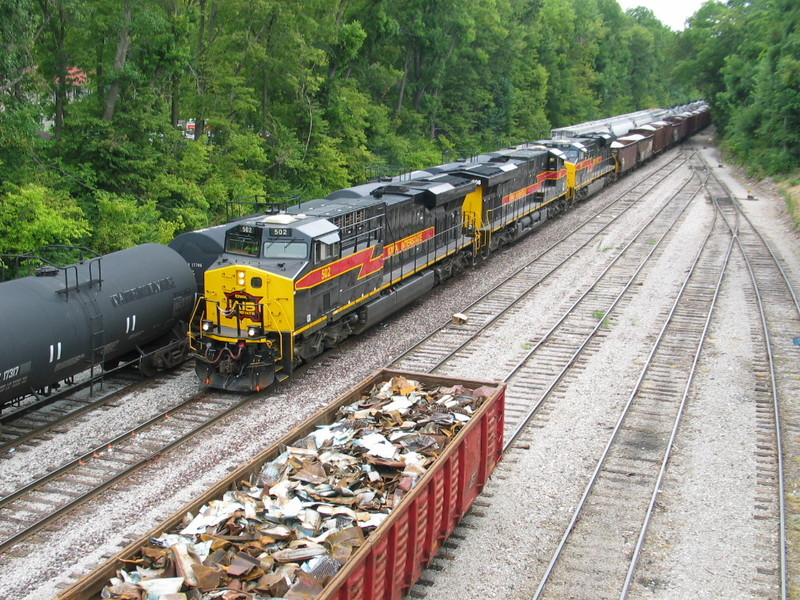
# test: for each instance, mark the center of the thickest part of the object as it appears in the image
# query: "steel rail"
(674, 434)
(93, 403)
(68, 389)
(776, 403)
(616, 431)
(24, 533)
(534, 409)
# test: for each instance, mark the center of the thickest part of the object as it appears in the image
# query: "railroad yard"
(642, 453)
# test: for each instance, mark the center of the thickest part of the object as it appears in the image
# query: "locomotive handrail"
(276, 329)
(235, 310)
(198, 306)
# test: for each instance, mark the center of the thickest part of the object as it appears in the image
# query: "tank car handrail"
(78, 284)
(66, 270)
(99, 272)
(35, 255)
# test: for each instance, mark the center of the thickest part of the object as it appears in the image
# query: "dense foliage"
(159, 112)
(745, 58)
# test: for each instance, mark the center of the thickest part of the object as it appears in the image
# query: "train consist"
(277, 289)
(291, 284)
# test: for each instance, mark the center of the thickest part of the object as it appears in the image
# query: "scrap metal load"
(352, 504)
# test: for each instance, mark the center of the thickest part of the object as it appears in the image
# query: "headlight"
(253, 331)
(207, 326)
(240, 277)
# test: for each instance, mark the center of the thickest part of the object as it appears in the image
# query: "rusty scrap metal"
(289, 530)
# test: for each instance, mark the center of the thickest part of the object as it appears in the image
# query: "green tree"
(744, 56)
(567, 50)
(703, 47)
(33, 216)
(124, 221)
(18, 35)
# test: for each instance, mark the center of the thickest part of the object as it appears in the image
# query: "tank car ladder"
(97, 349)
(96, 328)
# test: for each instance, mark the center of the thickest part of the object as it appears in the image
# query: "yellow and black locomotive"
(294, 282)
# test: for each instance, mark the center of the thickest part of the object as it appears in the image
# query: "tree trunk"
(404, 80)
(54, 15)
(264, 96)
(61, 85)
(175, 112)
(120, 59)
(175, 79)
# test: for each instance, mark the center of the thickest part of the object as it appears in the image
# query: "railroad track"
(550, 355)
(604, 537)
(29, 507)
(599, 552)
(483, 505)
(50, 496)
(21, 428)
(505, 299)
(777, 454)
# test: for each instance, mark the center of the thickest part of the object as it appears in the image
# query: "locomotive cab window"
(322, 252)
(325, 250)
(286, 249)
(244, 240)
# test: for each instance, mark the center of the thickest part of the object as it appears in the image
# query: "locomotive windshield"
(285, 249)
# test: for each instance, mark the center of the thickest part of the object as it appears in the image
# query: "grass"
(790, 190)
(601, 315)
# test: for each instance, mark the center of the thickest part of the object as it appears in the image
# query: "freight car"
(200, 249)
(128, 305)
(371, 541)
(293, 283)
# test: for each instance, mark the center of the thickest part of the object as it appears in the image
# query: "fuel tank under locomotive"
(59, 323)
